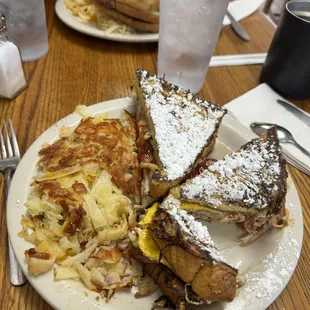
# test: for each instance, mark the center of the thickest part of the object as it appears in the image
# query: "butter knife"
(300, 114)
(237, 27)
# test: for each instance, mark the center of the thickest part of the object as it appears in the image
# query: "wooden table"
(84, 70)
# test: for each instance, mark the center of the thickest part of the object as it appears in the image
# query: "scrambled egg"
(146, 241)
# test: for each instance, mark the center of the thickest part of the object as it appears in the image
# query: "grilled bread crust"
(170, 284)
(130, 21)
(139, 5)
(211, 280)
(276, 199)
(160, 184)
(256, 221)
(130, 10)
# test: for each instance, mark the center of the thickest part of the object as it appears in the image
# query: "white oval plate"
(266, 265)
(80, 25)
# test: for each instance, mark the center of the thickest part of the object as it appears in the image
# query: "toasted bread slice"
(247, 186)
(172, 237)
(139, 5)
(178, 292)
(129, 9)
(142, 21)
(180, 127)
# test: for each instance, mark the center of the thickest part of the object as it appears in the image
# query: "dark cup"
(287, 66)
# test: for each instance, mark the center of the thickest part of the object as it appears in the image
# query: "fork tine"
(3, 150)
(14, 140)
(8, 142)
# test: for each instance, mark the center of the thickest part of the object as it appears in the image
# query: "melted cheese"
(146, 242)
(149, 214)
(187, 206)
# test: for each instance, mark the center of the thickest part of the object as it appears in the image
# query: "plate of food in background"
(121, 20)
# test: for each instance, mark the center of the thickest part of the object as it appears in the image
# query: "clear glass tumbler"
(26, 22)
(187, 37)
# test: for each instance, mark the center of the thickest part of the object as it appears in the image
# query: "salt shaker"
(12, 77)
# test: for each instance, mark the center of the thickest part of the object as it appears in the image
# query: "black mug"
(287, 66)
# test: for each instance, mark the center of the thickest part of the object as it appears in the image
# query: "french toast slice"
(172, 237)
(175, 128)
(177, 291)
(247, 186)
(148, 13)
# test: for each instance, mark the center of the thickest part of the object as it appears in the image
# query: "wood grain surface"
(83, 70)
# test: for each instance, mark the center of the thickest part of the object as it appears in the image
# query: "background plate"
(266, 265)
(80, 25)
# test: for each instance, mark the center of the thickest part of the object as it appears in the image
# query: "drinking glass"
(26, 24)
(188, 34)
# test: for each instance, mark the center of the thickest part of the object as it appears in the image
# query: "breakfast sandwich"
(176, 130)
(181, 249)
(141, 15)
(247, 186)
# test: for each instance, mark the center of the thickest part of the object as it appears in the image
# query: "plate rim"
(72, 120)
(73, 22)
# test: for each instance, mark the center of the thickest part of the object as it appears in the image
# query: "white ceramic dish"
(266, 265)
(78, 24)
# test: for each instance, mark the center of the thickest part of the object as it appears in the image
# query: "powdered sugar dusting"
(267, 279)
(276, 267)
(194, 230)
(240, 176)
(183, 123)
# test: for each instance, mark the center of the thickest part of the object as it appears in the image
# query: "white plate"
(266, 265)
(80, 25)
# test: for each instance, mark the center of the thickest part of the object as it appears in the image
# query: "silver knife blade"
(305, 118)
(237, 27)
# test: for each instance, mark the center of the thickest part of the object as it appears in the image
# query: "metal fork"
(8, 163)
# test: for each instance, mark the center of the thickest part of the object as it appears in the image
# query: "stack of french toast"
(176, 132)
(142, 15)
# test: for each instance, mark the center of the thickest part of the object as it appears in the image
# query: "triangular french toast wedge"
(175, 131)
(171, 236)
(174, 289)
(247, 186)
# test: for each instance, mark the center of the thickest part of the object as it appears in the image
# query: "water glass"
(187, 37)
(26, 22)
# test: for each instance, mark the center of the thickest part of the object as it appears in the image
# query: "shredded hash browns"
(80, 210)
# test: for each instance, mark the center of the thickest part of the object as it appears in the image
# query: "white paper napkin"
(260, 105)
(237, 60)
(242, 8)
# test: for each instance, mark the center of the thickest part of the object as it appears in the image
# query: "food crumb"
(82, 110)
(64, 132)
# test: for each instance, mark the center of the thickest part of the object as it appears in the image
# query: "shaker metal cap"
(2, 23)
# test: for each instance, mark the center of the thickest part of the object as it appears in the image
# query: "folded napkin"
(240, 9)
(260, 105)
(237, 60)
